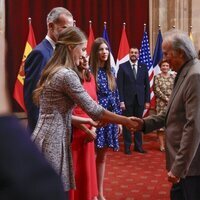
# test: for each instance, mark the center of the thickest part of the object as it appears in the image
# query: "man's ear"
(70, 47)
(51, 25)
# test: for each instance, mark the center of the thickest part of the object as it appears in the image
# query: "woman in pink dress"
(83, 151)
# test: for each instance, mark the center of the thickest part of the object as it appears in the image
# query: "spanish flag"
(19, 84)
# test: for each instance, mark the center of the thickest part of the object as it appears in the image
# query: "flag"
(157, 55)
(105, 36)
(145, 57)
(90, 38)
(123, 52)
(19, 84)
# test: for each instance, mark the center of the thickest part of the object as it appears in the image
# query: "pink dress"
(83, 155)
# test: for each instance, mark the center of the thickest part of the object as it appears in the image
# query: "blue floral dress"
(107, 136)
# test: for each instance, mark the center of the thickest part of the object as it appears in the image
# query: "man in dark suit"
(181, 118)
(134, 92)
(58, 19)
(24, 172)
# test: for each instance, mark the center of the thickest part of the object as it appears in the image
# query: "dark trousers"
(187, 189)
(133, 110)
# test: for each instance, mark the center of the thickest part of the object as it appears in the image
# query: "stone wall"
(183, 14)
(2, 16)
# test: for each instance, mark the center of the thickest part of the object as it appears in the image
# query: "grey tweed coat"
(53, 130)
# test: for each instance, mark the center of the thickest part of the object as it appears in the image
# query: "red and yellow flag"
(19, 84)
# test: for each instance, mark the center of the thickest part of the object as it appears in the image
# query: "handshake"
(134, 124)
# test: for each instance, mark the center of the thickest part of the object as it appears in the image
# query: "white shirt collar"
(53, 44)
(136, 63)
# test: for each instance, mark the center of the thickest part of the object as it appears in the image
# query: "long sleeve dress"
(53, 130)
(83, 154)
(107, 136)
(162, 89)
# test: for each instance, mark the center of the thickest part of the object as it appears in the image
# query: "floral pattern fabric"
(107, 136)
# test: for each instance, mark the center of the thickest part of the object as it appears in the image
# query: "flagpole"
(145, 26)
(124, 25)
(105, 23)
(190, 34)
(190, 29)
(29, 21)
(90, 23)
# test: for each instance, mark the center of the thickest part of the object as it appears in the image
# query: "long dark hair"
(95, 63)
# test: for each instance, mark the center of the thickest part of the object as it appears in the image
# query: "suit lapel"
(177, 86)
(139, 70)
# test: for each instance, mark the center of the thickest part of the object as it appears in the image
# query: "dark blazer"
(34, 65)
(129, 86)
(24, 173)
(182, 123)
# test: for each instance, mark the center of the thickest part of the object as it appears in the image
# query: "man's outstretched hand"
(138, 124)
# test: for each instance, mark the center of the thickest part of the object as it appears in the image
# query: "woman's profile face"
(164, 67)
(84, 62)
(78, 52)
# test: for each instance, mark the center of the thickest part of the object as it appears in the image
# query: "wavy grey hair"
(55, 13)
(180, 41)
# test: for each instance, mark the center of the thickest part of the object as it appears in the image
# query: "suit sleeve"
(33, 67)
(190, 139)
(120, 81)
(154, 122)
(23, 169)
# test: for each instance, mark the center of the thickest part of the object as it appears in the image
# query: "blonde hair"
(95, 63)
(62, 57)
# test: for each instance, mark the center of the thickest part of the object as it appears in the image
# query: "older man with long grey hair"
(181, 118)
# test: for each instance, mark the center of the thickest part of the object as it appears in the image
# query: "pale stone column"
(195, 23)
(179, 13)
(2, 16)
(4, 102)
(158, 15)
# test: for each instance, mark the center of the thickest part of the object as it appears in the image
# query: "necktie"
(134, 71)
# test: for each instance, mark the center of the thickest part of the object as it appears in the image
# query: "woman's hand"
(92, 122)
(120, 128)
(91, 134)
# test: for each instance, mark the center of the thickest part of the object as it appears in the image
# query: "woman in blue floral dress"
(108, 97)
